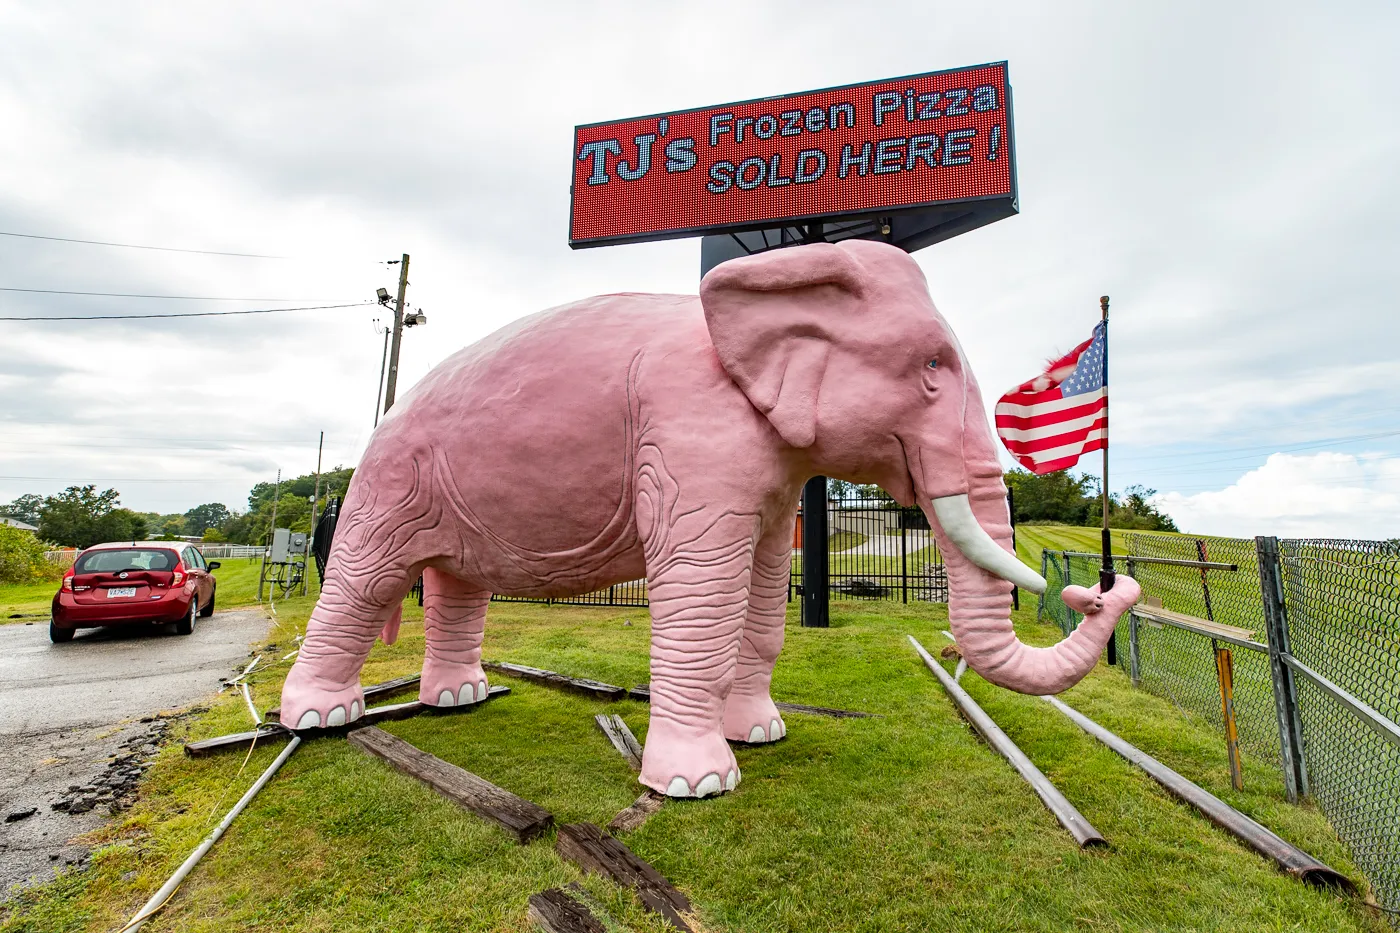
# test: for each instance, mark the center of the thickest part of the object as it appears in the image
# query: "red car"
(140, 581)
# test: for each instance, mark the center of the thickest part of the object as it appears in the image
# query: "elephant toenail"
(709, 785)
(776, 730)
(354, 709)
(309, 720)
(679, 787)
(337, 717)
(756, 734)
(481, 691)
(445, 698)
(731, 779)
(466, 695)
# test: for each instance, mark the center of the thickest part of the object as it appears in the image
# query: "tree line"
(81, 516)
(1058, 498)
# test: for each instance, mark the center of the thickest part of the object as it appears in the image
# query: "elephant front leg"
(323, 688)
(698, 594)
(454, 618)
(749, 713)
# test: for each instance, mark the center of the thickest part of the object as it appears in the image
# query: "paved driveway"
(66, 710)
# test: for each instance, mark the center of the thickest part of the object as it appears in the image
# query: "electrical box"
(281, 537)
(297, 543)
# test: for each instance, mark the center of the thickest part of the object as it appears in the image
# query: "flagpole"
(1106, 575)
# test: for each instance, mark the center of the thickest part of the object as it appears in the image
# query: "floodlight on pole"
(383, 295)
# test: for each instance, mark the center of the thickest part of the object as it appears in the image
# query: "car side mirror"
(214, 565)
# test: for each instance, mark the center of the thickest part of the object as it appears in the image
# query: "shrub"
(22, 558)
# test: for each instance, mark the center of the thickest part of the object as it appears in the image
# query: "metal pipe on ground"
(167, 890)
(1289, 857)
(1064, 811)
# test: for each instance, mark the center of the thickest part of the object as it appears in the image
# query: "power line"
(136, 317)
(60, 291)
(163, 249)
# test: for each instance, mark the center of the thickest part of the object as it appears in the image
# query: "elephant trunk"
(974, 533)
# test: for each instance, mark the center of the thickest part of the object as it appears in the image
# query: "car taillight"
(179, 574)
(68, 580)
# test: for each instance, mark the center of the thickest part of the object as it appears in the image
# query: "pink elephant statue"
(669, 436)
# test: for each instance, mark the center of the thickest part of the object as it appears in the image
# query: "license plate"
(119, 591)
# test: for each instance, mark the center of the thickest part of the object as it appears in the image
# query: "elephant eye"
(932, 364)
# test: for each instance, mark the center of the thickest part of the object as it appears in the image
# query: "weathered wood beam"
(642, 692)
(592, 850)
(593, 688)
(621, 738)
(516, 815)
(637, 813)
(556, 912)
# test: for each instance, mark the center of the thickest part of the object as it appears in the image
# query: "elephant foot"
(309, 702)
(752, 719)
(447, 684)
(682, 764)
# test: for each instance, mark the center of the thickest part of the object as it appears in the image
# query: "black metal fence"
(1309, 631)
(878, 550)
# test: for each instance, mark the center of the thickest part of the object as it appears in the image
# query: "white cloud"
(1331, 495)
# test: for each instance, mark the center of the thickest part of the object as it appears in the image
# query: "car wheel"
(208, 610)
(186, 625)
(59, 635)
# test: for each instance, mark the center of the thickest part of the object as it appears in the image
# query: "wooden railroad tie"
(642, 692)
(593, 688)
(593, 850)
(621, 738)
(517, 816)
(556, 912)
(377, 714)
(637, 813)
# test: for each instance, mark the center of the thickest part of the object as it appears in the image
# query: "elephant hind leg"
(750, 714)
(454, 619)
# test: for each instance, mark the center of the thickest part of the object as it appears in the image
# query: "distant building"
(16, 523)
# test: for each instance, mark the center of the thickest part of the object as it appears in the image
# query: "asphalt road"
(67, 710)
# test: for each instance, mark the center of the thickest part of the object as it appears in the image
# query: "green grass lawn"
(26, 603)
(905, 822)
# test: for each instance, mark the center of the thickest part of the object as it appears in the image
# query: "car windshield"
(125, 559)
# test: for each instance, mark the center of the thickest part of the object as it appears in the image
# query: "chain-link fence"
(1343, 600)
(1312, 629)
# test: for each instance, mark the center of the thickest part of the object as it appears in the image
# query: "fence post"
(1044, 570)
(1134, 664)
(1290, 729)
(1225, 673)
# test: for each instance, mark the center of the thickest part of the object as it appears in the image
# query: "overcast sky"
(1227, 172)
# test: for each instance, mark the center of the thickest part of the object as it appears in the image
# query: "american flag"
(1050, 421)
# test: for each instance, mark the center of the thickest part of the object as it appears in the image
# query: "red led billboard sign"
(933, 140)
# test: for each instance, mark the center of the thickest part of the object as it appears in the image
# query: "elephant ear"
(773, 317)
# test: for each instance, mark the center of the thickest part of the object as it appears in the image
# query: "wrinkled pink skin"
(669, 436)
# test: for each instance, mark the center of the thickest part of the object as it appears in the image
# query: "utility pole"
(315, 498)
(393, 381)
(262, 574)
(383, 358)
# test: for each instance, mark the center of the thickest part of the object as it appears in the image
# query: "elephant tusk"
(954, 514)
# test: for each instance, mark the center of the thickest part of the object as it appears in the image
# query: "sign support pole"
(816, 589)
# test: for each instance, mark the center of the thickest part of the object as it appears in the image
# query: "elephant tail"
(390, 634)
